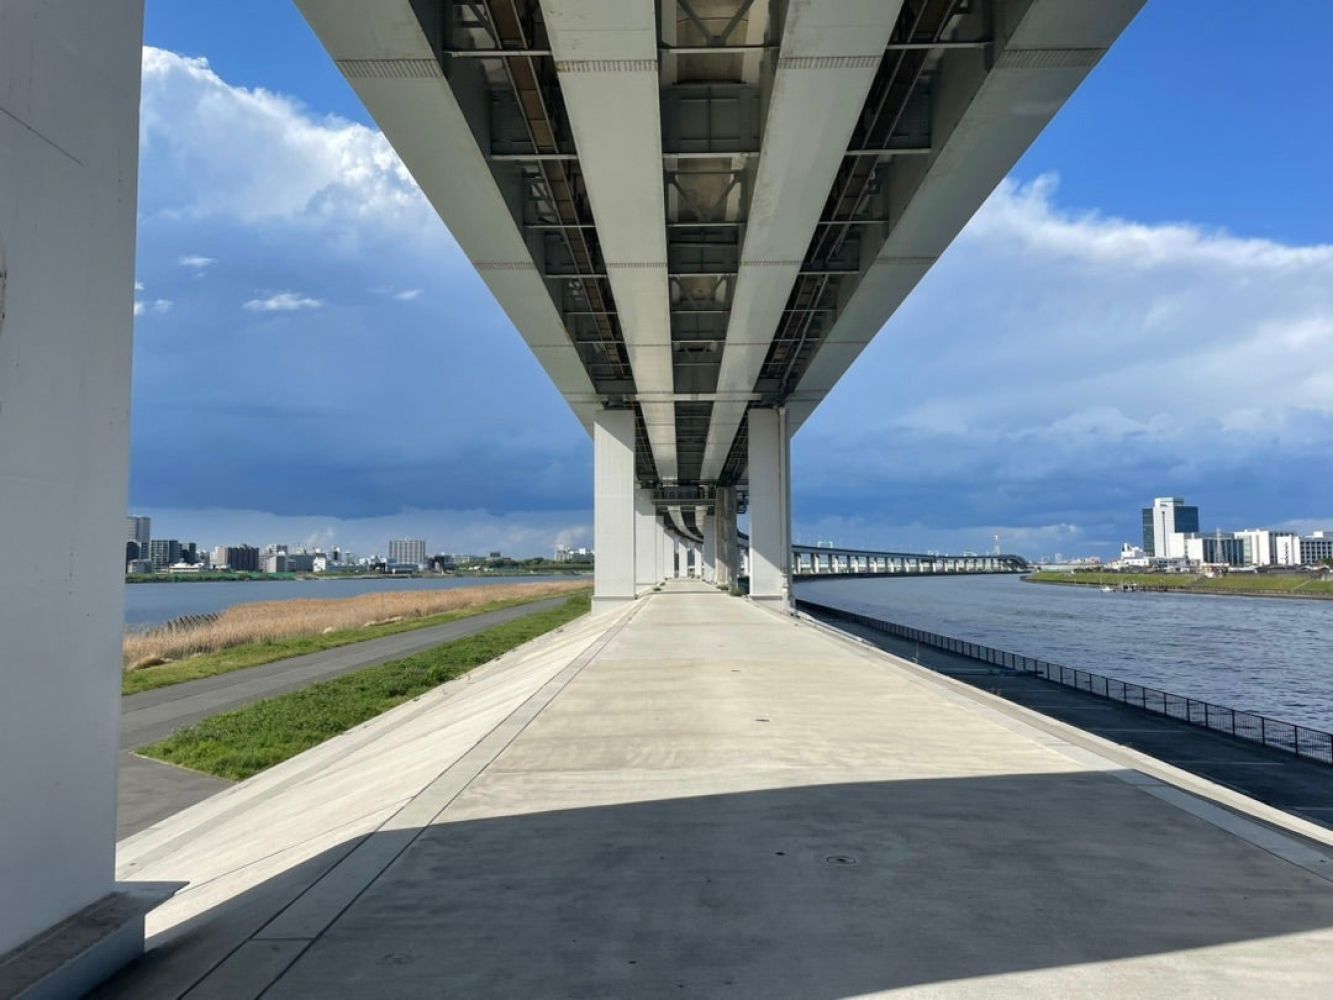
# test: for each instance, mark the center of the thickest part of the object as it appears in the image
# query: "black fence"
(1312, 744)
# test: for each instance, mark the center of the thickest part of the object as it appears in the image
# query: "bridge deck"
(696, 797)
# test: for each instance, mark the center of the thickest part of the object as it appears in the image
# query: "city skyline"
(1146, 333)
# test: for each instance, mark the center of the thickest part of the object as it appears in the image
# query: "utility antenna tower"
(997, 543)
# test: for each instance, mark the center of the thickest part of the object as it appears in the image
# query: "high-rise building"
(139, 529)
(164, 552)
(1171, 521)
(410, 551)
(238, 558)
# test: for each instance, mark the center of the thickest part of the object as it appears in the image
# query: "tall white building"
(408, 550)
(1286, 549)
(1171, 521)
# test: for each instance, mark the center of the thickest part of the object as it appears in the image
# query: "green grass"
(240, 744)
(257, 653)
(1256, 584)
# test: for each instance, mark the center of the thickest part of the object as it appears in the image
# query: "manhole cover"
(840, 859)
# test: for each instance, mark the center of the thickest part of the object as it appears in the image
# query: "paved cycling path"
(150, 790)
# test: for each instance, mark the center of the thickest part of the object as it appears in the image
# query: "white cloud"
(408, 294)
(197, 263)
(138, 286)
(157, 306)
(253, 155)
(283, 302)
(1058, 366)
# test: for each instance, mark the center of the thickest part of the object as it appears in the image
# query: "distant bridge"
(809, 561)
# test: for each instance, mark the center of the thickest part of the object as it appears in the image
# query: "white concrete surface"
(614, 513)
(698, 797)
(606, 57)
(710, 526)
(828, 59)
(770, 507)
(69, 111)
(646, 546)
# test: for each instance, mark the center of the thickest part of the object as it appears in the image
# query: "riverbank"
(239, 744)
(1247, 585)
(248, 635)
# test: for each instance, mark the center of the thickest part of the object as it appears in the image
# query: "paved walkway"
(695, 797)
(149, 790)
(1285, 781)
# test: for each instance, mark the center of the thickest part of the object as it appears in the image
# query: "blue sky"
(1149, 311)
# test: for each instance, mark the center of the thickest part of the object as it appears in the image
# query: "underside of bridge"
(696, 213)
(699, 212)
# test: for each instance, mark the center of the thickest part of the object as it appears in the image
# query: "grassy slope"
(257, 653)
(239, 744)
(1295, 585)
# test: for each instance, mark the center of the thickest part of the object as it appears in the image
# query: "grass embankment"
(248, 635)
(1255, 585)
(239, 744)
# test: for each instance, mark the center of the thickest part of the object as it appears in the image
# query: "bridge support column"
(710, 547)
(69, 113)
(681, 566)
(770, 507)
(725, 569)
(646, 547)
(613, 509)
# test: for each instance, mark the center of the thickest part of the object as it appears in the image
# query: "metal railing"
(1312, 744)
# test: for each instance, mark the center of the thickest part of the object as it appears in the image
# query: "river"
(149, 604)
(1266, 655)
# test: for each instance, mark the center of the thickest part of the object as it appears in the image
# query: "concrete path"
(1285, 781)
(149, 790)
(696, 797)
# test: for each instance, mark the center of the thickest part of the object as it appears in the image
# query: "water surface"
(1267, 655)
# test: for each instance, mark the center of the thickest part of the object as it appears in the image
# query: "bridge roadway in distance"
(150, 790)
(697, 796)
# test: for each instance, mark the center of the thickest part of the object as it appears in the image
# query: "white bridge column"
(646, 547)
(681, 566)
(725, 570)
(613, 509)
(770, 507)
(69, 131)
(664, 551)
(710, 527)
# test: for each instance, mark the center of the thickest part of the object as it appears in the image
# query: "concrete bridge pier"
(665, 552)
(710, 526)
(646, 546)
(69, 112)
(725, 568)
(770, 507)
(614, 509)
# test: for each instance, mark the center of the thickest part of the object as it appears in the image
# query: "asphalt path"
(150, 791)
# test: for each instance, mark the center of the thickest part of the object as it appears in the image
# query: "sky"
(1143, 308)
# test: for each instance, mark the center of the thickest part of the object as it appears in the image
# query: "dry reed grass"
(267, 621)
